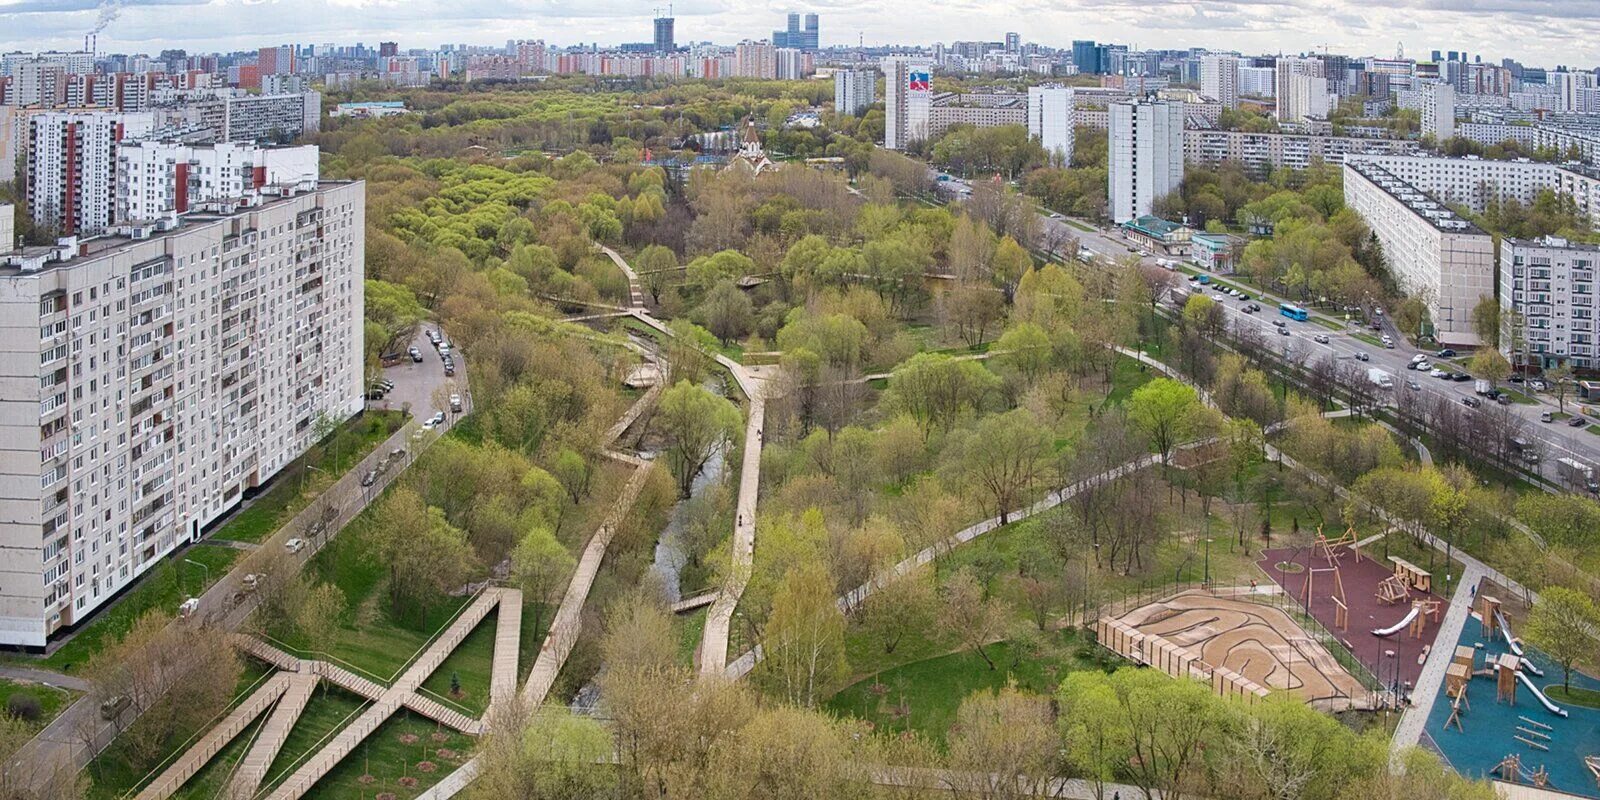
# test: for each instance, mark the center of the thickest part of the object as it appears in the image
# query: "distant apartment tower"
(796, 37)
(1219, 79)
(1086, 56)
(1550, 284)
(1051, 119)
(8, 227)
(1013, 42)
(908, 96)
(72, 62)
(155, 179)
(1146, 156)
(38, 82)
(1439, 111)
(664, 38)
(811, 37)
(1443, 260)
(387, 49)
(276, 60)
(170, 370)
(1569, 88)
(755, 60)
(71, 167)
(854, 90)
(1301, 89)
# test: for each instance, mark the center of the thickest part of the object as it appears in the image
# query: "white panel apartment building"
(854, 90)
(1219, 79)
(908, 97)
(154, 178)
(1551, 282)
(1301, 88)
(1146, 156)
(1051, 115)
(72, 162)
(1261, 153)
(1435, 255)
(1472, 181)
(150, 379)
(1439, 111)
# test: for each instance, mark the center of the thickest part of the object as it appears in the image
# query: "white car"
(1437, 373)
(455, 402)
(295, 545)
(1424, 365)
(1321, 338)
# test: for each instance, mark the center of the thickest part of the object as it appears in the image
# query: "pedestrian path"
(719, 620)
(274, 732)
(1409, 732)
(170, 780)
(507, 645)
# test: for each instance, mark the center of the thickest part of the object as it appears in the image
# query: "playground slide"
(1398, 626)
(1545, 701)
(1516, 646)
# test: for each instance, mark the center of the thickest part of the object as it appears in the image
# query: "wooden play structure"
(1510, 770)
(1489, 614)
(1328, 549)
(1341, 612)
(1412, 575)
(1392, 590)
(1593, 763)
(1506, 678)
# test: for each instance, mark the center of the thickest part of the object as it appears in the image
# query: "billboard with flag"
(917, 81)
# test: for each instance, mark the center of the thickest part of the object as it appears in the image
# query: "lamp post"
(1208, 564)
(202, 566)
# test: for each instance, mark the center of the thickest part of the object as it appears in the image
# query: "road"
(1551, 440)
(78, 733)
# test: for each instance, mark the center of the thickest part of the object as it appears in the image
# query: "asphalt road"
(1551, 440)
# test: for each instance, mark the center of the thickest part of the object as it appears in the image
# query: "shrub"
(23, 706)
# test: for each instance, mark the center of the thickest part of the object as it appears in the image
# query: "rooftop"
(1419, 202)
(1153, 226)
(1553, 242)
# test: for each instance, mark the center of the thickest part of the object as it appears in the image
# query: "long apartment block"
(1434, 254)
(1550, 284)
(154, 376)
(1475, 182)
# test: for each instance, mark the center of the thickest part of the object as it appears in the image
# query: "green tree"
(1562, 624)
(803, 657)
(695, 422)
(1491, 365)
(1025, 350)
(540, 567)
(1486, 321)
(934, 388)
(726, 311)
(1165, 411)
(1003, 456)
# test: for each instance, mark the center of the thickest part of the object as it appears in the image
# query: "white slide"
(1390, 631)
(1549, 706)
(1516, 646)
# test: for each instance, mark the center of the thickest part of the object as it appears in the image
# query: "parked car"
(1244, 296)
(1438, 373)
(295, 545)
(1446, 353)
(1471, 402)
(416, 354)
(450, 369)
(187, 608)
(1547, 417)
(1414, 386)
(1577, 421)
(1460, 377)
(112, 708)
(1362, 356)
(1424, 365)
(455, 402)
(369, 478)
(1503, 399)
(1255, 306)
(1248, 310)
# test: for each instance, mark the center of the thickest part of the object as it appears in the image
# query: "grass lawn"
(1079, 225)
(399, 752)
(163, 588)
(1588, 698)
(284, 498)
(1369, 339)
(925, 695)
(472, 663)
(51, 699)
(329, 710)
(690, 627)
(212, 779)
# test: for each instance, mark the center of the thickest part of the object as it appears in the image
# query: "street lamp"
(1208, 563)
(202, 566)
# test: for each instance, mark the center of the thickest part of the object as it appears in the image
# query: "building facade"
(854, 90)
(1146, 156)
(1549, 284)
(1436, 256)
(152, 378)
(155, 179)
(1051, 113)
(1301, 89)
(1476, 182)
(8, 230)
(1260, 153)
(71, 167)
(908, 97)
(1219, 79)
(1439, 111)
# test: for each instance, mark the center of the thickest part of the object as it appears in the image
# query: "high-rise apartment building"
(1301, 89)
(1013, 42)
(1439, 111)
(755, 60)
(278, 60)
(1219, 79)
(73, 63)
(664, 37)
(155, 179)
(854, 90)
(155, 377)
(1434, 255)
(1146, 156)
(1569, 87)
(1051, 119)
(908, 96)
(38, 82)
(71, 167)
(1550, 285)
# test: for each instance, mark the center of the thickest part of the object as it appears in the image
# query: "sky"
(1538, 32)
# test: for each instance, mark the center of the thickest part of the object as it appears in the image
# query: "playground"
(1493, 719)
(1383, 612)
(1240, 646)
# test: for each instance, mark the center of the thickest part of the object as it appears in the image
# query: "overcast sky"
(1539, 32)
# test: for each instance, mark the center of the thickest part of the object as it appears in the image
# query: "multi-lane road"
(1551, 440)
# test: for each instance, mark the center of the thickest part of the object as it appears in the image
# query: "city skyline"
(1544, 33)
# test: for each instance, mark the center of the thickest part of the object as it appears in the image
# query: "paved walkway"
(44, 676)
(274, 732)
(1409, 731)
(173, 778)
(719, 620)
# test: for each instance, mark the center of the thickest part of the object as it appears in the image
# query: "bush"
(23, 706)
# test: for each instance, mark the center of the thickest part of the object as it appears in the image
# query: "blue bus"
(1293, 312)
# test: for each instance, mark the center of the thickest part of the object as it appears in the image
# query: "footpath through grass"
(185, 574)
(50, 700)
